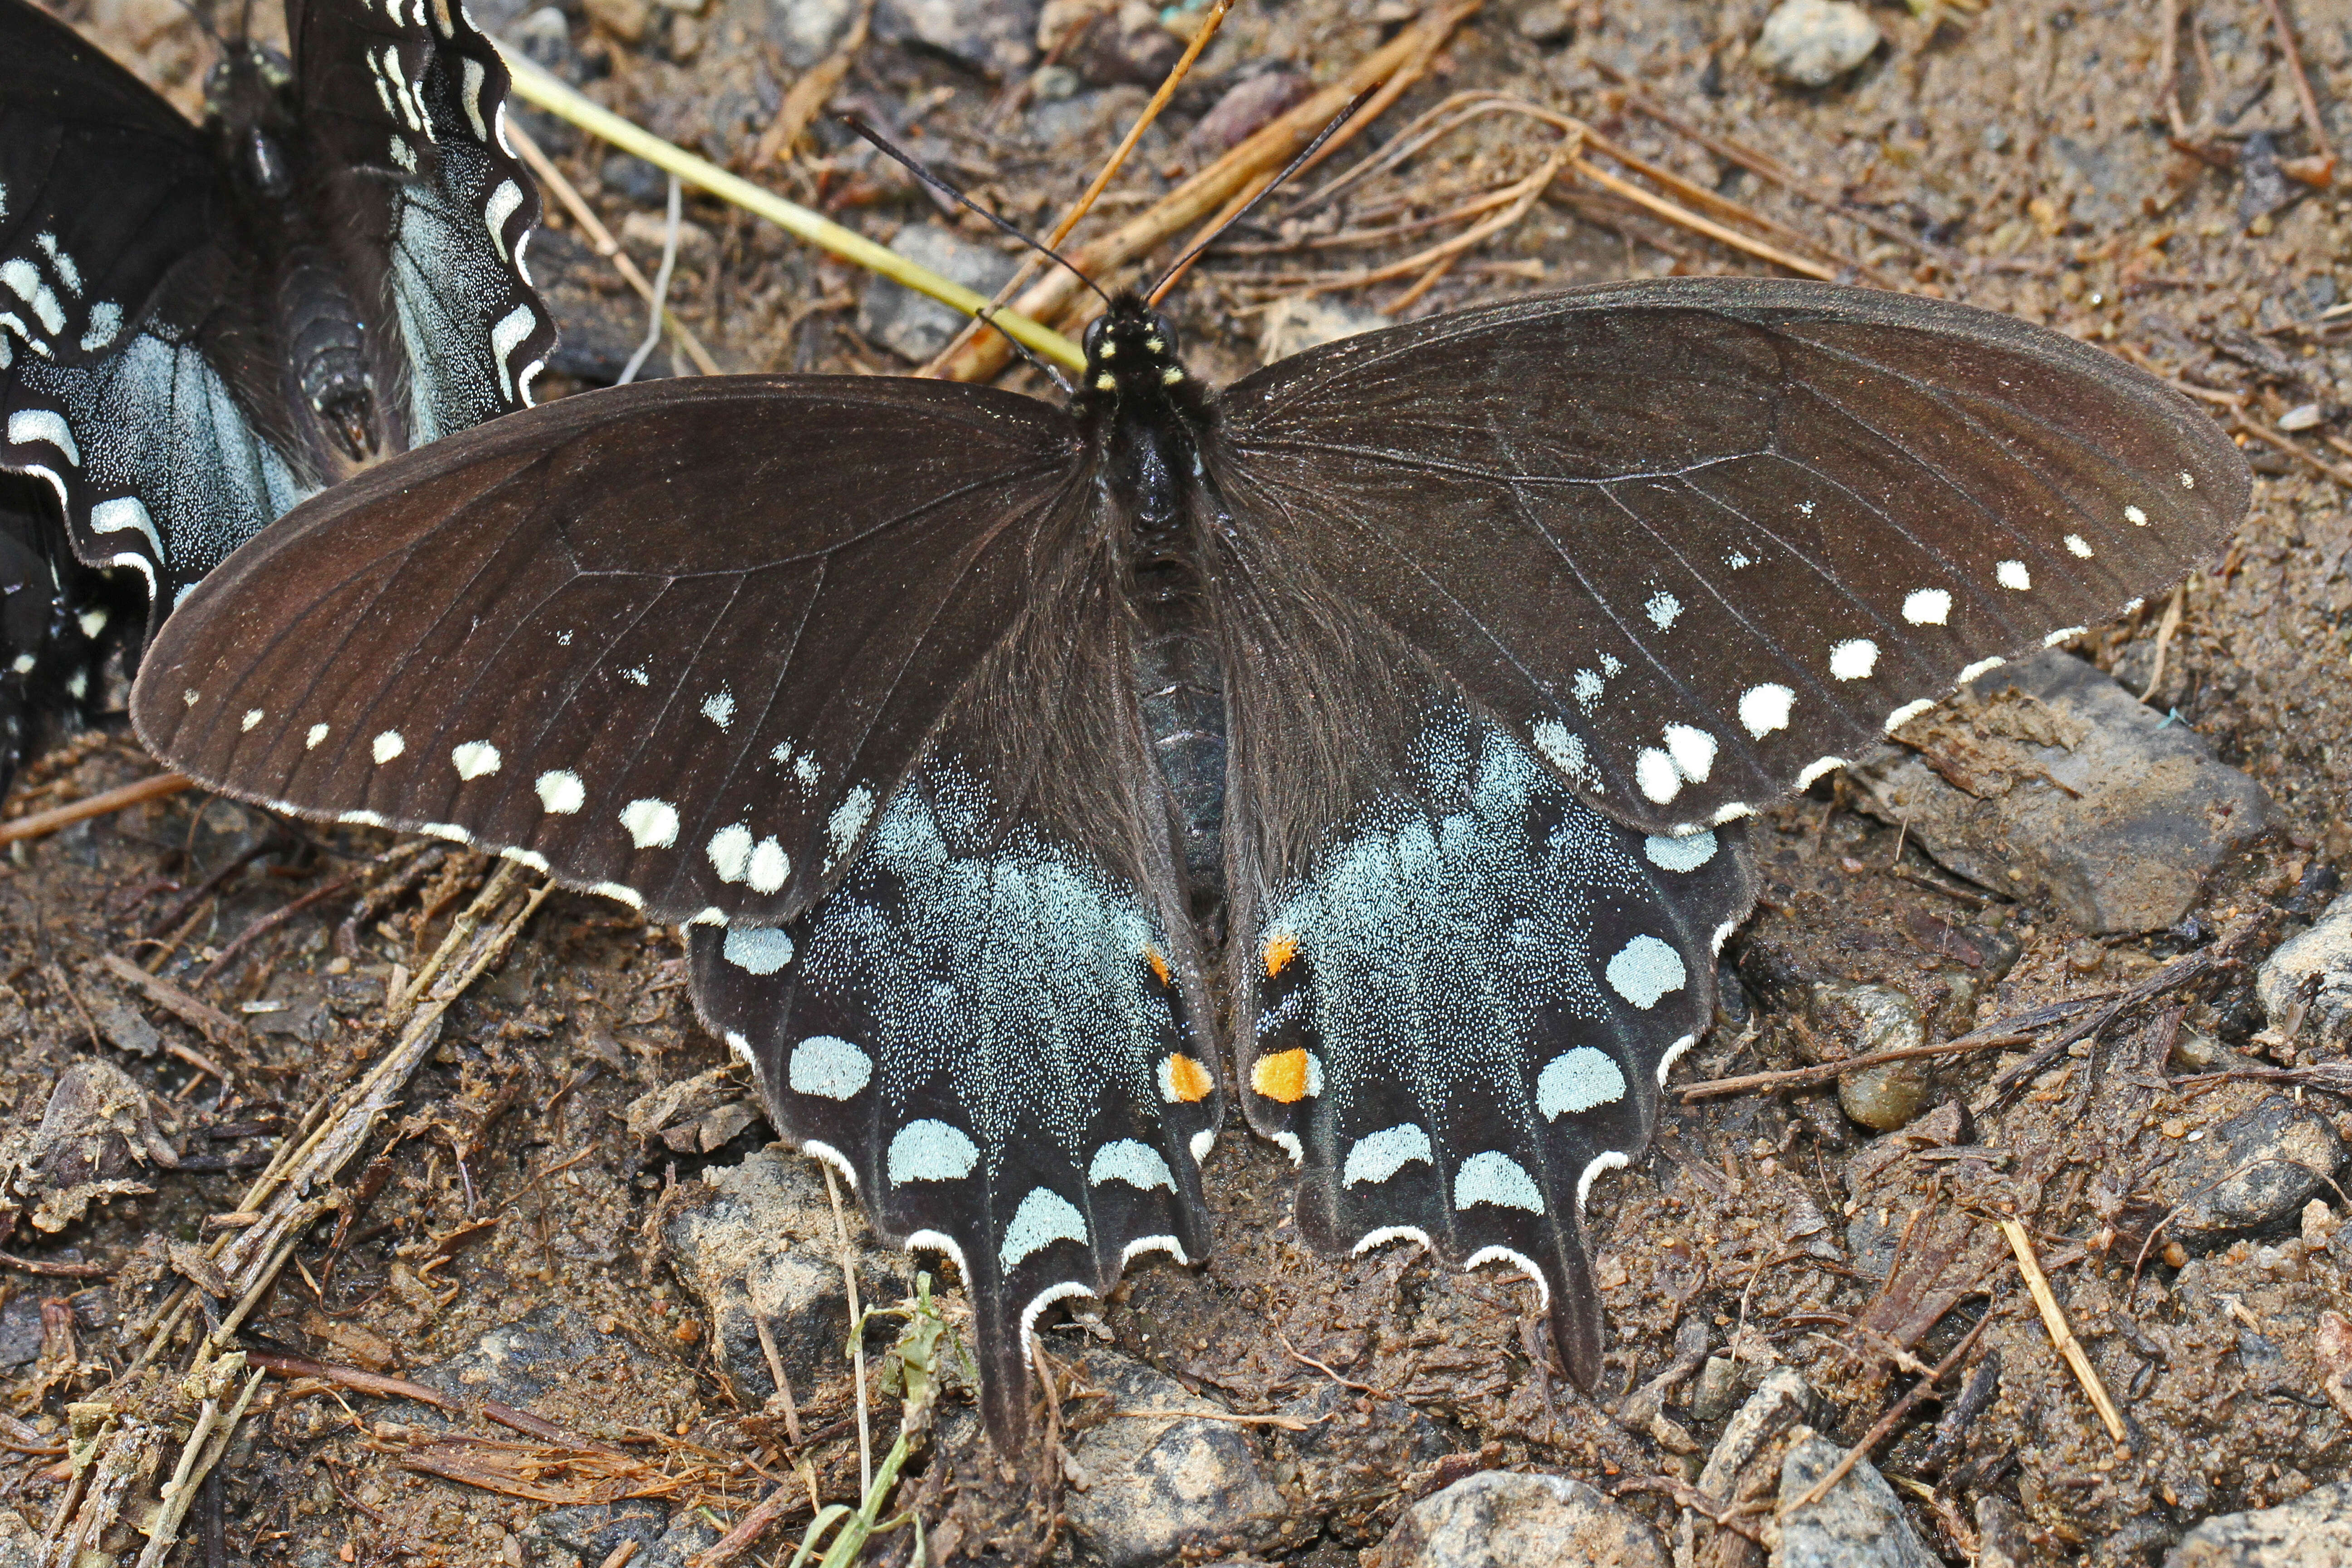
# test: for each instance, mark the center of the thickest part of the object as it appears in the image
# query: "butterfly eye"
(1163, 330)
(1097, 330)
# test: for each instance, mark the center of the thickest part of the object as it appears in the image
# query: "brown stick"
(2053, 1319)
(1830, 1072)
(1887, 1423)
(353, 1378)
(2302, 79)
(55, 1270)
(209, 1021)
(1048, 299)
(748, 1529)
(105, 803)
(2255, 427)
(270, 922)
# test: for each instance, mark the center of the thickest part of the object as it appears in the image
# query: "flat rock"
(2315, 968)
(1158, 1489)
(534, 1361)
(1500, 1519)
(763, 1247)
(1811, 43)
(2256, 1170)
(916, 326)
(996, 36)
(587, 1534)
(1858, 1525)
(2048, 775)
(1781, 1402)
(2315, 1531)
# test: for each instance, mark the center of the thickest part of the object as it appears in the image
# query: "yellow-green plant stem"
(536, 87)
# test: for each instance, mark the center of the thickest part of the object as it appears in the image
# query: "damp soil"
(2013, 156)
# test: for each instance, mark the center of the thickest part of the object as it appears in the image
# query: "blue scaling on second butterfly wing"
(1467, 1007)
(979, 1029)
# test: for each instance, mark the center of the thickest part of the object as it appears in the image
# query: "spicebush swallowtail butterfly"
(199, 326)
(1401, 703)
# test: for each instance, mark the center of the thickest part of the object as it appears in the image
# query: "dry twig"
(104, 803)
(2053, 1319)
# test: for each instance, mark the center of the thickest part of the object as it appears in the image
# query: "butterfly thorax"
(250, 112)
(1147, 417)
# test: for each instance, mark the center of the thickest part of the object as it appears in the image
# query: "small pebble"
(1546, 23)
(1052, 84)
(1811, 43)
(2301, 417)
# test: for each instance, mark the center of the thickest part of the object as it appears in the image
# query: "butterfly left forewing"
(406, 104)
(994, 1026)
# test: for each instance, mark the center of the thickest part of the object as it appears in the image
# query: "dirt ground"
(2015, 156)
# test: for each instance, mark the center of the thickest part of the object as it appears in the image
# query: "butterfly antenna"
(907, 162)
(1306, 154)
(197, 14)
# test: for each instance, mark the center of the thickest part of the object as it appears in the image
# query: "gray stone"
(587, 1534)
(1780, 1402)
(1722, 1385)
(1860, 1524)
(1546, 22)
(765, 1247)
(2048, 775)
(551, 1351)
(1877, 1018)
(1156, 1487)
(1246, 106)
(998, 37)
(2314, 968)
(2315, 1531)
(803, 31)
(915, 326)
(1301, 323)
(1811, 43)
(1500, 1519)
(1357, 1450)
(2002, 1539)
(2255, 1171)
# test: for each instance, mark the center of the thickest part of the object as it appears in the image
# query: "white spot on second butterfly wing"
(475, 759)
(830, 1068)
(1816, 768)
(619, 893)
(1136, 1164)
(719, 707)
(1388, 1233)
(930, 1151)
(652, 824)
(1380, 1155)
(253, 716)
(756, 950)
(1662, 609)
(1764, 708)
(1693, 751)
(1577, 1080)
(388, 745)
(2014, 576)
(2063, 634)
(1201, 1142)
(1656, 775)
(1686, 852)
(501, 206)
(2078, 546)
(1526, 1265)
(731, 852)
(561, 792)
(1045, 1218)
(1492, 1176)
(2136, 516)
(1980, 666)
(1675, 1051)
(1854, 659)
(1609, 1161)
(1908, 712)
(1644, 970)
(770, 866)
(1928, 606)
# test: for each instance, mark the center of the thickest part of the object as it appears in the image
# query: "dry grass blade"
(43, 823)
(2269, 437)
(2053, 1319)
(1887, 1422)
(1208, 192)
(207, 1020)
(601, 239)
(815, 90)
(1521, 197)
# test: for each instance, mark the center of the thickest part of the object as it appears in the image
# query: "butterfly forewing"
(1700, 542)
(407, 103)
(685, 673)
(995, 1024)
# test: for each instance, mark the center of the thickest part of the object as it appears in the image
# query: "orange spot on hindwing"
(1287, 1076)
(1183, 1080)
(1280, 949)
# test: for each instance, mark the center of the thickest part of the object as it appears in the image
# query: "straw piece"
(43, 823)
(2053, 1319)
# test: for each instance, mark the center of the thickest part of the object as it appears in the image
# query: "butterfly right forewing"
(687, 674)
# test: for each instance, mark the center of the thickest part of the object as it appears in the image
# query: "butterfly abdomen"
(326, 350)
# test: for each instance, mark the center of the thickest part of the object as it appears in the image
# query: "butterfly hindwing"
(405, 101)
(993, 1025)
(682, 672)
(59, 623)
(1719, 534)
(1461, 1005)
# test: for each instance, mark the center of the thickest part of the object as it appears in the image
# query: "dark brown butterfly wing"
(672, 642)
(994, 1026)
(1697, 541)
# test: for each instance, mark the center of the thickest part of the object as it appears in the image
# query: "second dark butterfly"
(1373, 739)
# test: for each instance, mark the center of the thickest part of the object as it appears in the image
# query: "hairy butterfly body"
(199, 326)
(1394, 711)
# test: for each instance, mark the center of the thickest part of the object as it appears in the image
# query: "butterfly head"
(1131, 364)
(249, 108)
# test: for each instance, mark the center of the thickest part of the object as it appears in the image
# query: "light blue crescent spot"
(1688, 853)
(1384, 1153)
(828, 1066)
(1045, 1218)
(756, 950)
(1577, 1080)
(931, 1152)
(1137, 1164)
(1496, 1178)
(1644, 970)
